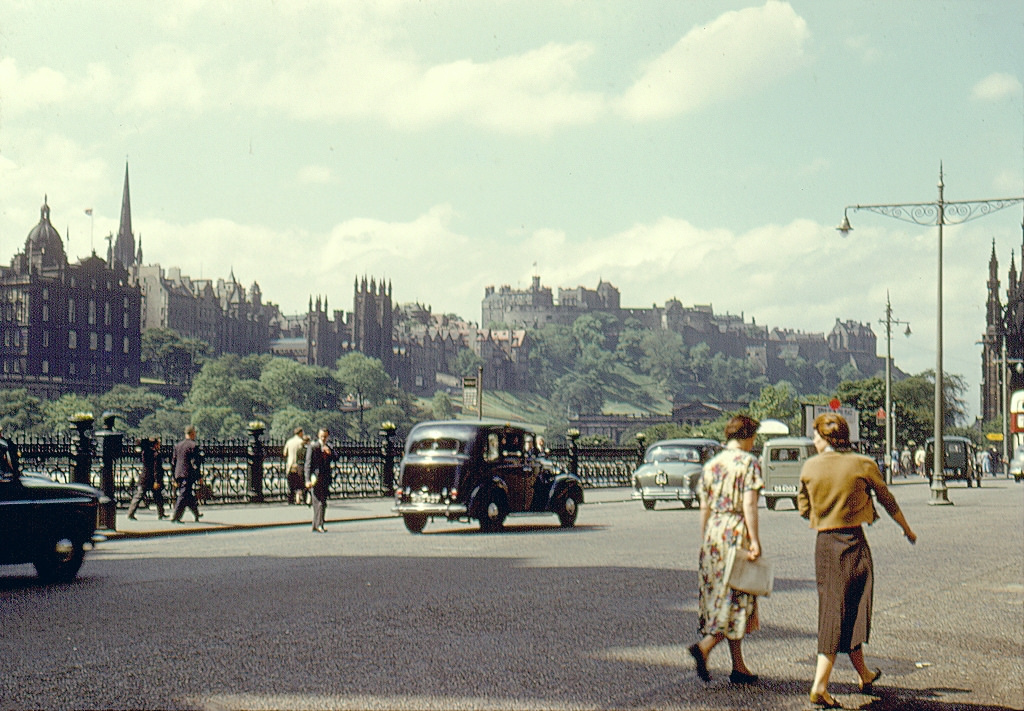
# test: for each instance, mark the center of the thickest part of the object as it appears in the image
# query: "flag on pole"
(88, 211)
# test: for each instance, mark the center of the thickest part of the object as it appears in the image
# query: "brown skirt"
(845, 575)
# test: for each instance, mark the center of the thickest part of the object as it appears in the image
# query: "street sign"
(470, 392)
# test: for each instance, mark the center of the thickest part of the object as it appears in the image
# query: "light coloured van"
(781, 461)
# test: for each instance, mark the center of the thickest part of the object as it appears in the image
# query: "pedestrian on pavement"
(295, 448)
(8, 458)
(729, 489)
(835, 495)
(151, 478)
(186, 461)
(319, 457)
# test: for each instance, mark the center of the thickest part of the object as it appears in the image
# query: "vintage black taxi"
(46, 523)
(460, 470)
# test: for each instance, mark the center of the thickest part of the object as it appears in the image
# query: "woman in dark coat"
(150, 478)
(835, 495)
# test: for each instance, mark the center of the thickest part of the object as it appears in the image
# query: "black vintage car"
(477, 470)
(46, 523)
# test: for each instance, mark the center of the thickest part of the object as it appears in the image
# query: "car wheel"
(770, 503)
(60, 562)
(568, 509)
(415, 522)
(649, 504)
(494, 513)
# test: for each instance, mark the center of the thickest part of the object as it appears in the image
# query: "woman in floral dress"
(729, 490)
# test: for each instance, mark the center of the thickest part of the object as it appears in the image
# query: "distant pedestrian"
(985, 462)
(319, 457)
(186, 463)
(919, 458)
(151, 477)
(294, 451)
(835, 495)
(906, 461)
(729, 489)
(8, 458)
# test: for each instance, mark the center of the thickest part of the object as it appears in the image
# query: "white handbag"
(755, 577)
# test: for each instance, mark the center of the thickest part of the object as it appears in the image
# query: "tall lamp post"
(940, 213)
(890, 421)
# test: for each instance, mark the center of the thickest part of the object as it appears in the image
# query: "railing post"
(254, 452)
(574, 451)
(109, 443)
(80, 425)
(387, 431)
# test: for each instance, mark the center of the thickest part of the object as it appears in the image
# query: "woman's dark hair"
(741, 427)
(834, 429)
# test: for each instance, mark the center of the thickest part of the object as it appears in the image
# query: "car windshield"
(673, 453)
(437, 445)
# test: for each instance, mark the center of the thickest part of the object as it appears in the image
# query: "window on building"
(45, 366)
(46, 339)
(92, 369)
(125, 319)
(72, 340)
(126, 344)
(93, 341)
(106, 313)
(92, 311)
(71, 369)
(46, 312)
(71, 310)
(46, 293)
(108, 342)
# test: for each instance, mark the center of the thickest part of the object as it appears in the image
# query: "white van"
(781, 461)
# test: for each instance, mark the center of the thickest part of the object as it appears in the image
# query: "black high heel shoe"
(738, 677)
(700, 661)
(867, 687)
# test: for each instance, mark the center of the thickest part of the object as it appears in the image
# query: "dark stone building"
(1004, 325)
(66, 327)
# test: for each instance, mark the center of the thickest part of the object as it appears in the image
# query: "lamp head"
(907, 332)
(844, 227)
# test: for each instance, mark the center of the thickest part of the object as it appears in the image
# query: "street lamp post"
(940, 213)
(890, 420)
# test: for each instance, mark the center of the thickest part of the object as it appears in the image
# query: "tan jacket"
(835, 491)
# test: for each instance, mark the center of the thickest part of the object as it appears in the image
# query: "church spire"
(124, 245)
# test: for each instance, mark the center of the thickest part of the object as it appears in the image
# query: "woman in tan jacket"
(835, 495)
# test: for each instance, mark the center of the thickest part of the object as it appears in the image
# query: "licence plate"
(785, 488)
(419, 497)
(661, 478)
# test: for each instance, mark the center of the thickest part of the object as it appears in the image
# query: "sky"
(702, 151)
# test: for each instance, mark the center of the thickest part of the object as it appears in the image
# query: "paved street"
(597, 617)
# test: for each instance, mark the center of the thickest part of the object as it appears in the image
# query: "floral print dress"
(726, 477)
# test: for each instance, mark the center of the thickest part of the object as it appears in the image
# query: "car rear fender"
(481, 495)
(562, 487)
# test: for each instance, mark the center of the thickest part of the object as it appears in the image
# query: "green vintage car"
(671, 471)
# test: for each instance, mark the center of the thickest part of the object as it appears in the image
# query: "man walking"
(185, 462)
(151, 477)
(293, 449)
(318, 476)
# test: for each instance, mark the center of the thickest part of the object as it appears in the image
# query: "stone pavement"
(237, 517)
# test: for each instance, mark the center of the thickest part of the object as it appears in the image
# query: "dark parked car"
(959, 460)
(46, 523)
(671, 470)
(476, 470)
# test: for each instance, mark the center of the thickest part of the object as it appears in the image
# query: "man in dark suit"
(317, 472)
(151, 477)
(185, 462)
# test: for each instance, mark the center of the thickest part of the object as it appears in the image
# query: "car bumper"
(429, 509)
(663, 494)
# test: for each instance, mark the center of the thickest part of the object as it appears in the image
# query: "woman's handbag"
(754, 577)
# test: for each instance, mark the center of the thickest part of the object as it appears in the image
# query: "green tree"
(291, 384)
(467, 362)
(579, 394)
(132, 405)
(286, 419)
(21, 413)
(365, 379)
(56, 412)
(665, 359)
(778, 402)
(441, 406)
(165, 354)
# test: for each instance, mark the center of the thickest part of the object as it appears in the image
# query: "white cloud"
(314, 175)
(739, 52)
(996, 86)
